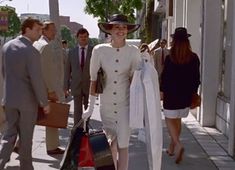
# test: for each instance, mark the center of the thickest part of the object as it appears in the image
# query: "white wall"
(230, 46)
(193, 24)
(212, 38)
(179, 6)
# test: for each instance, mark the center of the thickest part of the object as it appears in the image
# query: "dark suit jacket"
(74, 78)
(22, 75)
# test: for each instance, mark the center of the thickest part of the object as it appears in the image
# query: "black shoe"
(16, 149)
(55, 151)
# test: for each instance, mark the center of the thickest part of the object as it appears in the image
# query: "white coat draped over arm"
(145, 83)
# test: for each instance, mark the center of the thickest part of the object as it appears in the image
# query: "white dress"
(119, 66)
(147, 112)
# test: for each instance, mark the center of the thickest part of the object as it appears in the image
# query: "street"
(195, 155)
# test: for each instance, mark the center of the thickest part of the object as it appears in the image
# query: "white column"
(193, 24)
(212, 38)
(170, 29)
(228, 48)
(179, 13)
(231, 43)
(170, 20)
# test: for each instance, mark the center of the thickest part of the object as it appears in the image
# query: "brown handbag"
(57, 118)
(100, 82)
(196, 101)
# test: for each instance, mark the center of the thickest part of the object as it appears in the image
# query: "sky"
(72, 8)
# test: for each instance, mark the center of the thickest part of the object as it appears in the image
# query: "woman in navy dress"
(180, 80)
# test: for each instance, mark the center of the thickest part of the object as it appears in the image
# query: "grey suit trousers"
(20, 122)
(79, 101)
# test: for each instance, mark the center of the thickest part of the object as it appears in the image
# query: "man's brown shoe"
(55, 151)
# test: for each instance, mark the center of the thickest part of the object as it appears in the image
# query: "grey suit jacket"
(48, 61)
(74, 78)
(157, 57)
(22, 75)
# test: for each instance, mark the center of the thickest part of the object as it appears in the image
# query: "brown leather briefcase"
(57, 118)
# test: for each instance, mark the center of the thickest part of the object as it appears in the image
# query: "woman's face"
(119, 31)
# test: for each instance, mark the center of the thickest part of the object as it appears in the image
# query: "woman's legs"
(171, 148)
(114, 151)
(122, 159)
(174, 127)
(179, 147)
(178, 122)
(120, 156)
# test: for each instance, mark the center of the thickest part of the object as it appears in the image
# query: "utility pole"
(55, 17)
(54, 12)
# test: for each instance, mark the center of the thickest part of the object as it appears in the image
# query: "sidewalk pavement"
(203, 148)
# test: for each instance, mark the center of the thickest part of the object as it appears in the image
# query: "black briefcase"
(101, 151)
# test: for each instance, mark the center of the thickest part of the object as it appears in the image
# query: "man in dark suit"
(77, 73)
(23, 92)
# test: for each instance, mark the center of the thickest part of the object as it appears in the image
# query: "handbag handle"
(84, 125)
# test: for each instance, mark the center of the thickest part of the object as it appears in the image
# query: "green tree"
(147, 32)
(13, 22)
(104, 8)
(93, 41)
(66, 35)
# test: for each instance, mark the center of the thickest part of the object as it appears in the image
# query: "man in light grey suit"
(51, 62)
(159, 56)
(77, 73)
(23, 92)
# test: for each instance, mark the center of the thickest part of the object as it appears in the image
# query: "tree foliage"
(66, 35)
(105, 8)
(149, 21)
(93, 41)
(13, 22)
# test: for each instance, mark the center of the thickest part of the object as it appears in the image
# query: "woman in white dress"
(119, 61)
